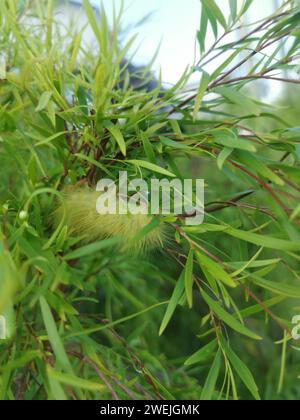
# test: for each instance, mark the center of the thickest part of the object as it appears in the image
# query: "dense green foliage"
(210, 314)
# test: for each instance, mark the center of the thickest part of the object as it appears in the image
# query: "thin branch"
(259, 76)
(89, 362)
(218, 81)
(263, 184)
(266, 309)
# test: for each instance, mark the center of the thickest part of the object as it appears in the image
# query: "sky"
(174, 24)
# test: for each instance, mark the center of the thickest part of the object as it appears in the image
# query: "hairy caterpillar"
(83, 220)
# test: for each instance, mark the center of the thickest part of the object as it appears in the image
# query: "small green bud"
(23, 215)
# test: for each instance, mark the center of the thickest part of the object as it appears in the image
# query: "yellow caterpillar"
(83, 220)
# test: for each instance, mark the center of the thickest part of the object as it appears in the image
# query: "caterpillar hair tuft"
(84, 221)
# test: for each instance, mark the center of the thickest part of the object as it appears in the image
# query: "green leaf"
(74, 381)
(253, 238)
(225, 64)
(215, 11)
(256, 309)
(50, 139)
(211, 381)
(260, 168)
(117, 134)
(201, 92)
(264, 241)
(189, 279)
(233, 9)
(254, 264)
(216, 270)
(245, 103)
(166, 393)
(154, 128)
(223, 156)
(54, 338)
(282, 289)
(174, 144)
(241, 265)
(95, 163)
(114, 323)
(44, 101)
(242, 370)
(9, 278)
(174, 301)
(92, 248)
(203, 354)
(246, 6)
(228, 319)
(153, 224)
(150, 167)
(295, 213)
(49, 36)
(148, 148)
(92, 19)
(212, 20)
(201, 34)
(27, 357)
(57, 391)
(231, 141)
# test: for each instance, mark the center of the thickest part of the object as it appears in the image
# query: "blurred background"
(168, 30)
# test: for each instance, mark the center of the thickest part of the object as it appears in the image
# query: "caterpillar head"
(83, 220)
